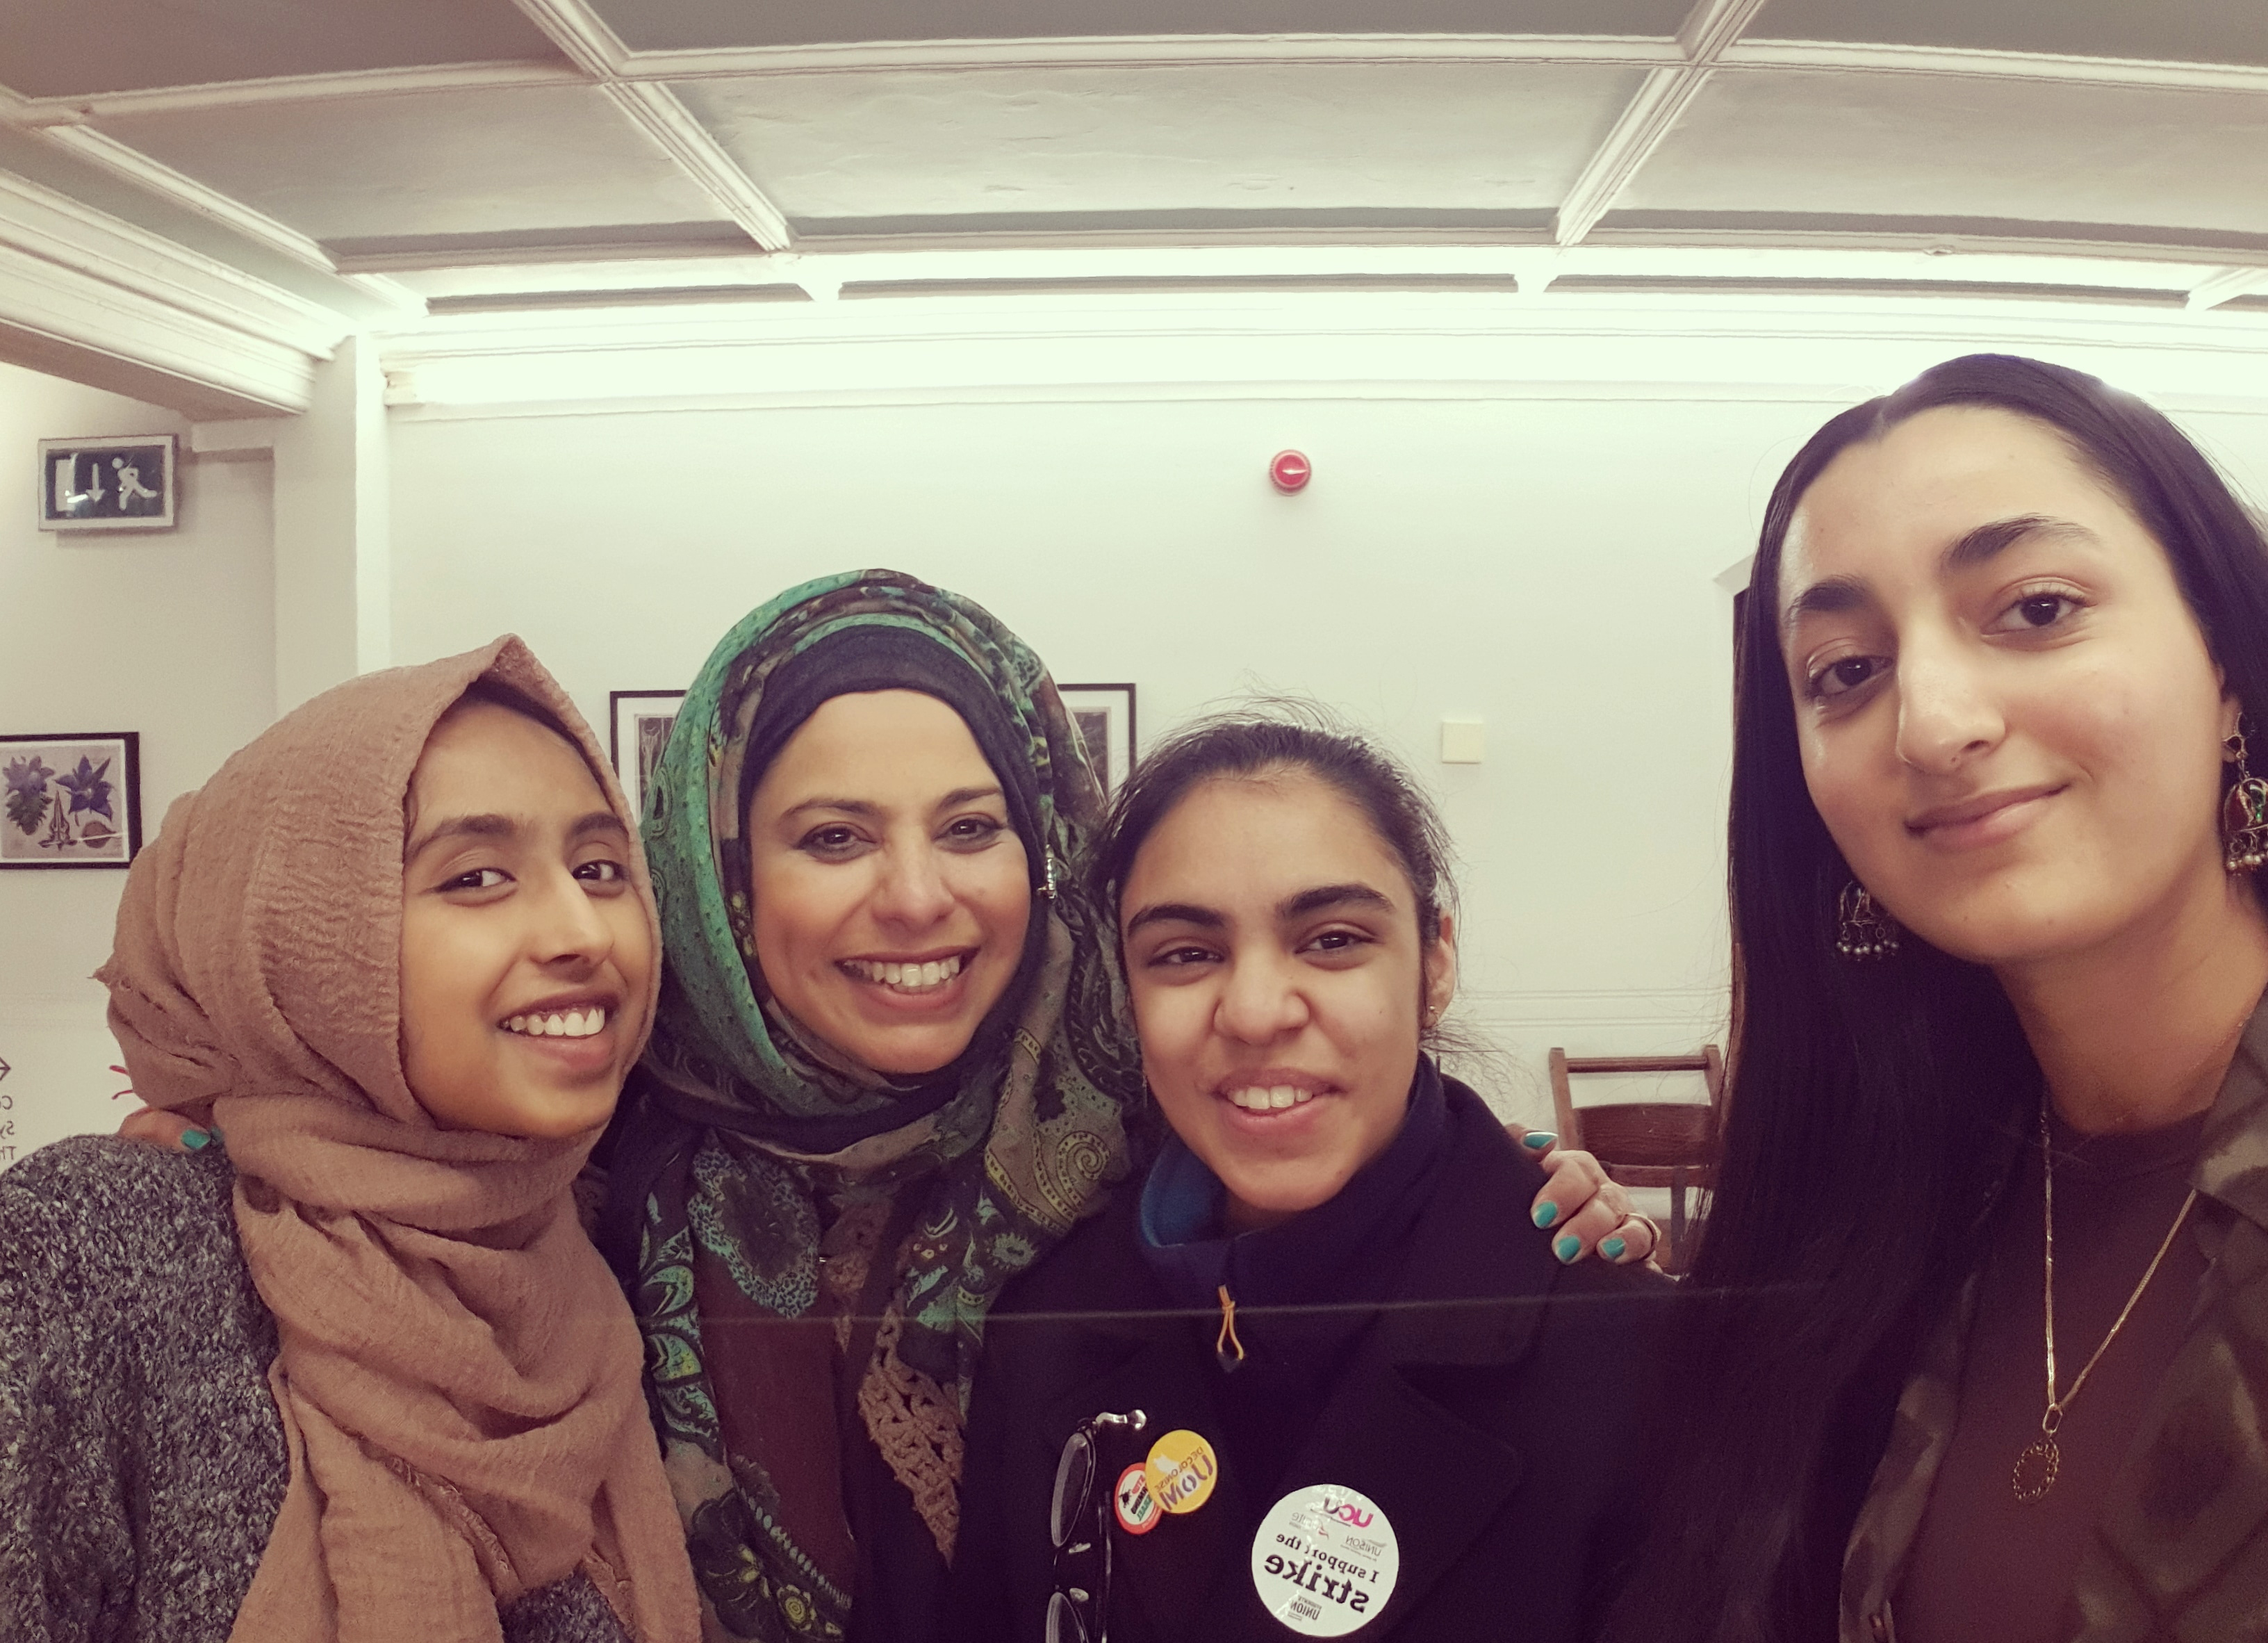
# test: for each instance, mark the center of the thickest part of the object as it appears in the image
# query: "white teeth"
(1274, 1099)
(587, 1023)
(908, 977)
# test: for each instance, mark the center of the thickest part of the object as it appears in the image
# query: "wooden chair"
(1648, 1144)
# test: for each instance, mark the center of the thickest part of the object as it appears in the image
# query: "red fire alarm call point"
(1290, 471)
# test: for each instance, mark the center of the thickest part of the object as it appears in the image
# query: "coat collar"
(1419, 1444)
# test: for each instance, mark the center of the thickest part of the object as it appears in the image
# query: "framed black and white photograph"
(638, 731)
(1104, 716)
(118, 484)
(73, 801)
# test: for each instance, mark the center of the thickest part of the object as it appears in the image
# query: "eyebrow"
(1325, 897)
(492, 825)
(1836, 593)
(868, 807)
(1302, 905)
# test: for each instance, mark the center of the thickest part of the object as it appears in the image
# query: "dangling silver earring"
(2244, 813)
(1863, 931)
(1049, 888)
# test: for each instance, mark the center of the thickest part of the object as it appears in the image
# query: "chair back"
(1648, 1144)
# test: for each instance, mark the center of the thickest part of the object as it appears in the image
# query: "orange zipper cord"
(1227, 1339)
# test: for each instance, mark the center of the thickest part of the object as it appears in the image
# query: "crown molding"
(34, 112)
(1960, 62)
(588, 40)
(1378, 346)
(41, 222)
(114, 301)
(599, 55)
(654, 109)
(1147, 51)
(1710, 29)
(67, 324)
(138, 168)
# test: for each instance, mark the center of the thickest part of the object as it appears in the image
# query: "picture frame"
(125, 482)
(71, 800)
(1103, 715)
(638, 729)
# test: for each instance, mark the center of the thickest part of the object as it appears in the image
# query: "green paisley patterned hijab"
(811, 1246)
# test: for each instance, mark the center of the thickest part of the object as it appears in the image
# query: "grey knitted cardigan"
(142, 1460)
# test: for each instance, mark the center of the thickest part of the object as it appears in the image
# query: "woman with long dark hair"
(1989, 1244)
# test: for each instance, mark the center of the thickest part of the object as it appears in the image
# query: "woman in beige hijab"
(358, 1375)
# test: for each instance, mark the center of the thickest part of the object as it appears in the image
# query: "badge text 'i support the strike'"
(1325, 1560)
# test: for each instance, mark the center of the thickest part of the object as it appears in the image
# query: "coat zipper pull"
(1226, 1342)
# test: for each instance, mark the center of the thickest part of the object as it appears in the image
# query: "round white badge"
(1325, 1560)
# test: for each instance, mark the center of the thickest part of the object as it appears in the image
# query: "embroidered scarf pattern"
(761, 1177)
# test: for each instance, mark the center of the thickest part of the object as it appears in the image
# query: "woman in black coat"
(1313, 1377)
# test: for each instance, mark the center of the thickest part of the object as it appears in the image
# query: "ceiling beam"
(655, 110)
(1710, 29)
(85, 295)
(1962, 62)
(1145, 51)
(592, 45)
(295, 88)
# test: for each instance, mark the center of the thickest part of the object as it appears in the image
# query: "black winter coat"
(1498, 1431)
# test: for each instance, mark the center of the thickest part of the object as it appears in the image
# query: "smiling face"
(527, 951)
(2008, 718)
(1279, 981)
(891, 895)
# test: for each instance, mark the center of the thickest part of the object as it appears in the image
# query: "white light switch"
(1464, 741)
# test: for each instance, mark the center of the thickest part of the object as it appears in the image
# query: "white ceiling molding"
(1370, 345)
(167, 184)
(299, 88)
(1709, 28)
(87, 296)
(1960, 62)
(588, 40)
(38, 221)
(2215, 288)
(594, 48)
(654, 107)
(68, 323)
(1143, 51)
(43, 120)
(1954, 244)
(615, 62)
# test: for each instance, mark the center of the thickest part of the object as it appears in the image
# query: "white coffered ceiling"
(403, 160)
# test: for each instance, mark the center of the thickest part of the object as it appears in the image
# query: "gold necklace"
(2037, 1467)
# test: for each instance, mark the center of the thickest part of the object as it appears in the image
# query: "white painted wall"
(1547, 562)
(170, 635)
(1547, 565)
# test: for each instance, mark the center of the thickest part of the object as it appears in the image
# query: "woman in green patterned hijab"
(875, 1092)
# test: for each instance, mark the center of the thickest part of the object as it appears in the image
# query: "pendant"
(2036, 1469)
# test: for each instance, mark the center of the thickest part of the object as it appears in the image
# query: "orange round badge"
(1182, 1472)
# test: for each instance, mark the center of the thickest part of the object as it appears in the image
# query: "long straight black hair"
(1874, 1109)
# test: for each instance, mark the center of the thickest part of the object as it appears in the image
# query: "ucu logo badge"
(1347, 1513)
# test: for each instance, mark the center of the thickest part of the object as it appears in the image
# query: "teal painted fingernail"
(1546, 1212)
(194, 1138)
(1537, 1140)
(1613, 1249)
(1568, 1248)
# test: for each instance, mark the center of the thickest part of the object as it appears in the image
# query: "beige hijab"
(457, 1374)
